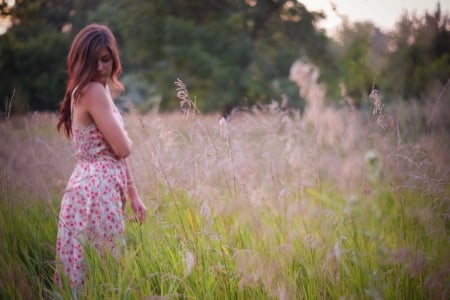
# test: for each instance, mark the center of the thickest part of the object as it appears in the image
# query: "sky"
(383, 13)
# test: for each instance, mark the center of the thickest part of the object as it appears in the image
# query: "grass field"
(270, 204)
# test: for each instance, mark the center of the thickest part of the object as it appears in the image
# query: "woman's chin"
(100, 80)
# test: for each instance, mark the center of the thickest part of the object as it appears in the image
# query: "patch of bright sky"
(383, 13)
(5, 22)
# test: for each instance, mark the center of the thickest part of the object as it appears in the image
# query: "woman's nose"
(99, 66)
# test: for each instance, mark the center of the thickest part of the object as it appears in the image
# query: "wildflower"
(334, 258)
(205, 211)
(223, 128)
(312, 241)
(249, 266)
(190, 262)
(378, 106)
(373, 163)
(285, 192)
(377, 103)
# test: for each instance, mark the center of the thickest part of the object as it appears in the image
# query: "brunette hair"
(81, 67)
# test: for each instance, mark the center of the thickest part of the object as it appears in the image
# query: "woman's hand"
(139, 208)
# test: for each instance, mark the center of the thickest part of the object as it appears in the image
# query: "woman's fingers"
(141, 212)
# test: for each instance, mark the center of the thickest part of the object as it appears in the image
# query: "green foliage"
(421, 55)
(28, 236)
(34, 70)
(358, 58)
(229, 50)
(215, 45)
(405, 63)
(378, 244)
(32, 55)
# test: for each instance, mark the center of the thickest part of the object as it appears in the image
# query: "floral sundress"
(92, 208)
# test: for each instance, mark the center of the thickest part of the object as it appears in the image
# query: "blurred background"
(340, 169)
(231, 53)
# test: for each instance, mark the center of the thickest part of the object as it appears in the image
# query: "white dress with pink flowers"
(92, 206)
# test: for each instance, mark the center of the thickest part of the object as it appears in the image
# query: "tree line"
(229, 53)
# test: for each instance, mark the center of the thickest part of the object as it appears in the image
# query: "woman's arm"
(139, 208)
(101, 109)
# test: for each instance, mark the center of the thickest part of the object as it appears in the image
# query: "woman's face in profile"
(103, 66)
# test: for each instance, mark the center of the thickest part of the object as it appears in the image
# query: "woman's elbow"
(125, 150)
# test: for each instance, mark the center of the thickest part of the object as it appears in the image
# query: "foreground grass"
(371, 248)
(267, 205)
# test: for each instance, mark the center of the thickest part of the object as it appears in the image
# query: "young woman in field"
(92, 208)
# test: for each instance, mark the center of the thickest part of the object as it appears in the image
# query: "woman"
(92, 208)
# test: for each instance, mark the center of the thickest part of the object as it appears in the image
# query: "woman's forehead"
(103, 51)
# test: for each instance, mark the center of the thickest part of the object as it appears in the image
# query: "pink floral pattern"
(92, 208)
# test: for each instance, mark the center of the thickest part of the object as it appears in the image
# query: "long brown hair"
(81, 67)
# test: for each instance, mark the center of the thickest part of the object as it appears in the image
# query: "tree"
(32, 54)
(225, 50)
(420, 55)
(362, 50)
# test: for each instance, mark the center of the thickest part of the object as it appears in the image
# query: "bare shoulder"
(93, 88)
(94, 94)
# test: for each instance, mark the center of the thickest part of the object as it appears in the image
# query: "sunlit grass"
(259, 207)
(369, 250)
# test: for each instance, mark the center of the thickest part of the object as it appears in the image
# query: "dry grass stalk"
(187, 106)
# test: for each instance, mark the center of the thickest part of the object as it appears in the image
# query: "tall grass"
(267, 204)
